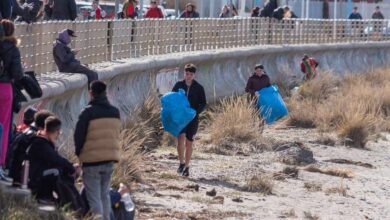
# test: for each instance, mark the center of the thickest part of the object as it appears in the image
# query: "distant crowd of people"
(37, 10)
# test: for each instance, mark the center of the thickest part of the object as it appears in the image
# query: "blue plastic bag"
(176, 112)
(271, 104)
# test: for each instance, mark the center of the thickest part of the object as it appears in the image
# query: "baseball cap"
(71, 33)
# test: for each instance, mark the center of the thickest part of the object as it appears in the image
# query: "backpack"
(18, 147)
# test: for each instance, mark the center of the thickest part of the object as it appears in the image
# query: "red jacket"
(154, 13)
(98, 14)
(312, 62)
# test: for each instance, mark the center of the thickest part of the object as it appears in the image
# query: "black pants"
(91, 75)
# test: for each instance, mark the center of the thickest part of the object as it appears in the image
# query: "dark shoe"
(181, 168)
(186, 171)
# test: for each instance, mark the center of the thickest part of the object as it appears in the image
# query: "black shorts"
(191, 129)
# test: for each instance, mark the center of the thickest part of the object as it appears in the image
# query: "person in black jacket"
(60, 9)
(5, 9)
(28, 11)
(197, 98)
(46, 165)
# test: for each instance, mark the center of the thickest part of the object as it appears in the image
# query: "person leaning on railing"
(189, 12)
(27, 12)
(60, 9)
(129, 9)
(154, 11)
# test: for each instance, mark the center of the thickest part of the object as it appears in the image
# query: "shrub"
(237, 119)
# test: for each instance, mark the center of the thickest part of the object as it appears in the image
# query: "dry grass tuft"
(325, 139)
(15, 209)
(313, 186)
(320, 88)
(290, 213)
(340, 189)
(345, 173)
(291, 171)
(260, 183)
(236, 119)
(310, 216)
(356, 107)
(132, 141)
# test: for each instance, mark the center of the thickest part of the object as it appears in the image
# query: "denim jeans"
(97, 181)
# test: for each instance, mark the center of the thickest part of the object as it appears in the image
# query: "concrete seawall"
(222, 72)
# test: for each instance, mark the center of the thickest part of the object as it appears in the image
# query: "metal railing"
(108, 40)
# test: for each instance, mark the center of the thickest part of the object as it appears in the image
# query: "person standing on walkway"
(96, 140)
(154, 11)
(197, 98)
(61, 9)
(65, 58)
(257, 81)
(189, 12)
(309, 67)
(11, 72)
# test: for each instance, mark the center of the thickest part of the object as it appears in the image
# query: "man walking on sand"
(97, 146)
(197, 98)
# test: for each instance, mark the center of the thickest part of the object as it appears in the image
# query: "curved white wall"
(222, 73)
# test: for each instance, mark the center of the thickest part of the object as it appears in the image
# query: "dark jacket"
(10, 55)
(5, 9)
(378, 15)
(192, 14)
(63, 56)
(43, 156)
(63, 10)
(97, 133)
(195, 94)
(27, 12)
(278, 13)
(356, 16)
(269, 8)
(256, 83)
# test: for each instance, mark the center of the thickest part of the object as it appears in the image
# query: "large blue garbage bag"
(271, 104)
(176, 112)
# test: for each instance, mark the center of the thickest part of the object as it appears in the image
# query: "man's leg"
(105, 182)
(91, 75)
(188, 152)
(180, 151)
(91, 181)
(191, 131)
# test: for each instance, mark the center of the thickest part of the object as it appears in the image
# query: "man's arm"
(63, 55)
(50, 155)
(176, 87)
(249, 89)
(80, 132)
(202, 102)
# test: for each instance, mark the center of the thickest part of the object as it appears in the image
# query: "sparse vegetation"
(291, 171)
(312, 186)
(310, 216)
(260, 183)
(345, 173)
(236, 119)
(356, 107)
(340, 189)
(290, 213)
